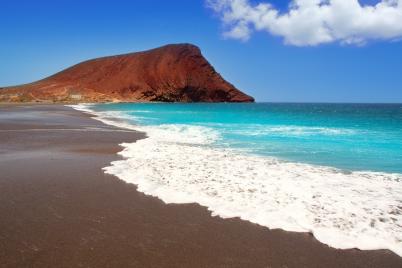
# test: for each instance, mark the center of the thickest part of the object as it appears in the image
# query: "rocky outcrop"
(172, 73)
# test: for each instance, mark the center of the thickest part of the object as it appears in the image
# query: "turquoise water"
(334, 170)
(347, 136)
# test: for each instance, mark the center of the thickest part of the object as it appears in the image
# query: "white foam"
(262, 130)
(83, 107)
(113, 118)
(179, 164)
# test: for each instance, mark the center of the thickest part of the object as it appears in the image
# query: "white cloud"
(313, 22)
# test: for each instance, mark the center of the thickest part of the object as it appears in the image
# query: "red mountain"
(172, 73)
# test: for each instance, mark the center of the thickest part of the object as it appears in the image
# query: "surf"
(184, 163)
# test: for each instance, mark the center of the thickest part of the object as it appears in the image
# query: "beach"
(59, 209)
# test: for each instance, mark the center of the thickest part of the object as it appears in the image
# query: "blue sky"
(39, 38)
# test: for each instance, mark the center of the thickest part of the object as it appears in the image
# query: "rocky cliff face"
(173, 73)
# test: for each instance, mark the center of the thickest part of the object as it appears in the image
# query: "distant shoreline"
(256, 102)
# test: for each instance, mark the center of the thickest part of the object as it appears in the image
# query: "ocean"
(334, 170)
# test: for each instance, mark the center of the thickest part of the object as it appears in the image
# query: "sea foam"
(180, 164)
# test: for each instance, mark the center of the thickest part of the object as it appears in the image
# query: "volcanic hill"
(172, 73)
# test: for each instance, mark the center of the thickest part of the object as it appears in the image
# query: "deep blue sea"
(334, 170)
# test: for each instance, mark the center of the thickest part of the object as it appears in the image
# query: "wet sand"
(58, 209)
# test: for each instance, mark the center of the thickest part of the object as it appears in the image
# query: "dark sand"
(58, 209)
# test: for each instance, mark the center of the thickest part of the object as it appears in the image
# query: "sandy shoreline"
(58, 209)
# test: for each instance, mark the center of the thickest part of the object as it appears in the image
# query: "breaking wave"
(180, 164)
